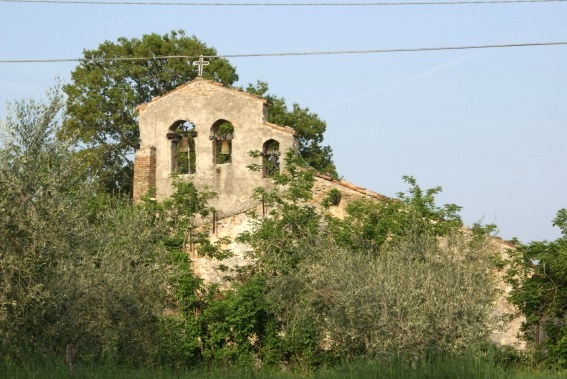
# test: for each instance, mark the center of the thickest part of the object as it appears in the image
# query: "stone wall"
(204, 103)
(211, 270)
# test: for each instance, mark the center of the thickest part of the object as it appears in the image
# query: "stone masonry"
(204, 104)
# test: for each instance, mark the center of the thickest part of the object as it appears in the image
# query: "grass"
(455, 367)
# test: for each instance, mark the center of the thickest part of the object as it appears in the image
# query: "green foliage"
(308, 125)
(223, 158)
(225, 129)
(473, 364)
(415, 298)
(238, 328)
(103, 95)
(440, 219)
(92, 271)
(381, 281)
(370, 224)
(333, 198)
(280, 243)
(394, 278)
(182, 163)
(538, 275)
(76, 268)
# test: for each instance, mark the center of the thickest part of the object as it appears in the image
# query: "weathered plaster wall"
(504, 314)
(210, 270)
(203, 103)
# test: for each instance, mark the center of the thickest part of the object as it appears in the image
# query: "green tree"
(394, 277)
(281, 245)
(369, 224)
(76, 268)
(103, 95)
(538, 274)
(308, 125)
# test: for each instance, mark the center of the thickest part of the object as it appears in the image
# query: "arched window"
(271, 158)
(183, 157)
(222, 133)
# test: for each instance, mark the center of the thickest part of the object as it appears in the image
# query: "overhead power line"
(195, 4)
(290, 54)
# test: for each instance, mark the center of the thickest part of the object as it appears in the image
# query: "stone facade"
(204, 105)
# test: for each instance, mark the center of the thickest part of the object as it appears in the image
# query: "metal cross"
(200, 63)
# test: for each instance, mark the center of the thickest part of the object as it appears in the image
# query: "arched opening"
(182, 135)
(271, 158)
(222, 133)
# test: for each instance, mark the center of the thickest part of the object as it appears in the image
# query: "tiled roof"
(353, 187)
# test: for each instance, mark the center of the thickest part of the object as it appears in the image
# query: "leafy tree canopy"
(538, 274)
(103, 95)
(114, 280)
(76, 269)
(363, 285)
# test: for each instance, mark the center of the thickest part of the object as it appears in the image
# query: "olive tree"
(76, 268)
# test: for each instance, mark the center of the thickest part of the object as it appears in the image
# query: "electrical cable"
(195, 4)
(310, 53)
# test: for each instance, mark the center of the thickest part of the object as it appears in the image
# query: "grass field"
(461, 367)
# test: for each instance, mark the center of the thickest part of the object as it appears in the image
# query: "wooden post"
(69, 357)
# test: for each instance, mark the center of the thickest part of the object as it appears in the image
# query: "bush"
(396, 277)
(77, 269)
(538, 275)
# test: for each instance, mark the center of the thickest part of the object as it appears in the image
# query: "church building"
(210, 134)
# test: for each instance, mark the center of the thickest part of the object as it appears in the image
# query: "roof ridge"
(196, 80)
(351, 186)
(287, 129)
(377, 195)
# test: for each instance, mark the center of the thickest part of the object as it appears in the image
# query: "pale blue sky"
(489, 126)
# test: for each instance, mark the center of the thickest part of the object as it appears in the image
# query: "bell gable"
(204, 132)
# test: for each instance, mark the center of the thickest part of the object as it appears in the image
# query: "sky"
(487, 125)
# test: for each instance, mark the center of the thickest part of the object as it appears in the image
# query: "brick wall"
(144, 171)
